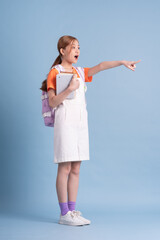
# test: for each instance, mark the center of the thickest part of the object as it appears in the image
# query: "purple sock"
(64, 208)
(71, 205)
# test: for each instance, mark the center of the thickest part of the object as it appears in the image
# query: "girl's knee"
(64, 167)
(75, 167)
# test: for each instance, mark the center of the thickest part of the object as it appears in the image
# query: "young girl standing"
(71, 140)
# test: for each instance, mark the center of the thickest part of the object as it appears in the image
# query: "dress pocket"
(72, 115)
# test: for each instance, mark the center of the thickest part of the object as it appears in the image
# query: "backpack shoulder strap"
(58, 67)
(80, 71)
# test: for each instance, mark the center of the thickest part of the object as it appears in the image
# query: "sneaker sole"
(87, 223)
(71, 224)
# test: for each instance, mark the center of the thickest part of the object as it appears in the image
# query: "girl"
(71, 141)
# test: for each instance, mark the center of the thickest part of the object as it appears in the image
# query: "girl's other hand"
(74, 83)
(130, 64)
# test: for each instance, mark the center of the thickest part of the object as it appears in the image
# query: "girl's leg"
(73, 183)
(61, 181)
(61, 186)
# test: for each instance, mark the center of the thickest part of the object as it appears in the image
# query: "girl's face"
(71, 52)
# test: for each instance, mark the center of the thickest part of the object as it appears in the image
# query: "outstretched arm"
(111, 64)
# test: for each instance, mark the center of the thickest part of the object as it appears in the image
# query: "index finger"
(137, 61)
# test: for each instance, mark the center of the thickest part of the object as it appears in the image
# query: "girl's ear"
(62, 51)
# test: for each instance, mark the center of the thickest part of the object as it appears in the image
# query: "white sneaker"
(70, 219)
(78, 214)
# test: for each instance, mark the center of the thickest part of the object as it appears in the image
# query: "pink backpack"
(48, 113)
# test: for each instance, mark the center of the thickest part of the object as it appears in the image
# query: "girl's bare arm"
(55, 100)
(111, 64)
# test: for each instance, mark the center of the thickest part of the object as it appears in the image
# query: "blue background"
(123, 106)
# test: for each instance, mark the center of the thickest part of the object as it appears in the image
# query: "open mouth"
(76, 57)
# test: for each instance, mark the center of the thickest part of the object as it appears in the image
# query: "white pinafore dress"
(71, 135)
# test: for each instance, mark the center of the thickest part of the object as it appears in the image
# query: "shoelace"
(72, 214)
(77, 213)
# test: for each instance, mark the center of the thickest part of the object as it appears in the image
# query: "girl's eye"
(74, 47)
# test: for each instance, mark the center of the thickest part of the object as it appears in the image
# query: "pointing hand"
(130, 64)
